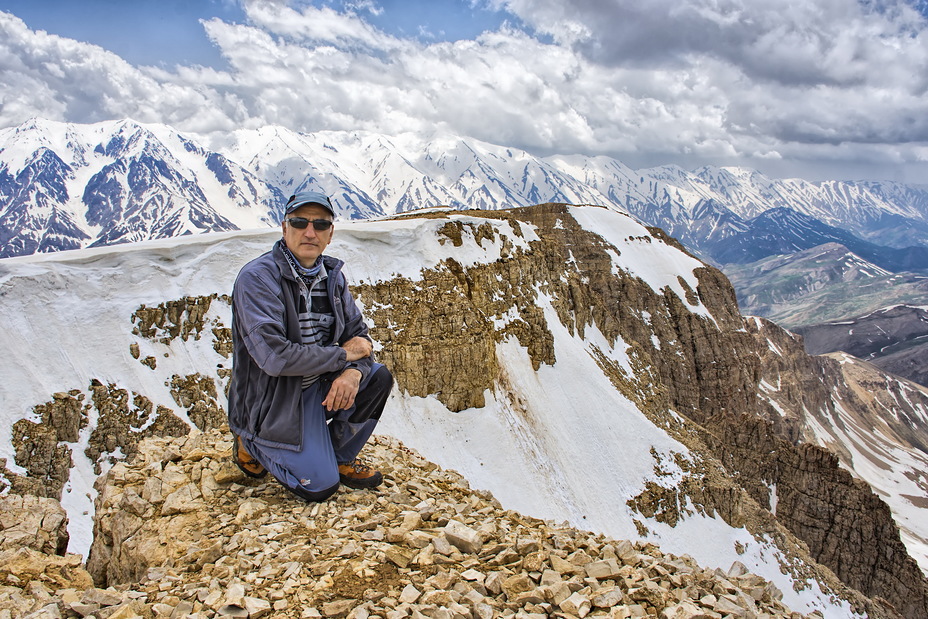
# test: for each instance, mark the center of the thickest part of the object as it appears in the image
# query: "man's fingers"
(338, 399)
(343, 391)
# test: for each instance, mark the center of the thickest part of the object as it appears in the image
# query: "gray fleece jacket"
(269, 360)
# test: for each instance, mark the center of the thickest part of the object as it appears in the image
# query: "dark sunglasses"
(300, 223)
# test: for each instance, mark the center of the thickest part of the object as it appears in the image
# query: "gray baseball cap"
(302, 198)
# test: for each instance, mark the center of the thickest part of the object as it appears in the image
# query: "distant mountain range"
(840, 302)
(64, 186)
(821, 284)
(893, 338)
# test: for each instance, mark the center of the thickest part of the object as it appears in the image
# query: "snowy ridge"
(528, 450)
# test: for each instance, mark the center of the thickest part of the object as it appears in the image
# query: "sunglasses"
(300, 223)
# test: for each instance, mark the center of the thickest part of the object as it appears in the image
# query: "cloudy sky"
(809, 88)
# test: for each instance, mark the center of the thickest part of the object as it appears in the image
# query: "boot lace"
(358, 467)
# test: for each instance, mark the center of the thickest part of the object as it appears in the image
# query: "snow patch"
(659, 265)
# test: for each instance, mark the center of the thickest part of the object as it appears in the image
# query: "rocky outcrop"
(34, 569)
(123, 418)
(184, 318)
(439, 333)
(46, 586)
(40, 448)
(186, 532)
(197, 394)
(846, 525)
(33, 522)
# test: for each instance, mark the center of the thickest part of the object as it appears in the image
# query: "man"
(305, 393)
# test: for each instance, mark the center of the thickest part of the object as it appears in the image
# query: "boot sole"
(362, 484)
(241, 466)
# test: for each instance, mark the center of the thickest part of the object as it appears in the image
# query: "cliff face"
(870, 423)
(710, 371)
(724, 414)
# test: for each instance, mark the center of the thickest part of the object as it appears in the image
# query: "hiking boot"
(356, 474)
(243, 460)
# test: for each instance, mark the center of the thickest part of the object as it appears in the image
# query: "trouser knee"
(372, 398)
(313, 497)
(381, 383)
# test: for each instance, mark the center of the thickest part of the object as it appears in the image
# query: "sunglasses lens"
(320, 225)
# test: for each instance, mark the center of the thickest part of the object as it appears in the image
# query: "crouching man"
(305, 393)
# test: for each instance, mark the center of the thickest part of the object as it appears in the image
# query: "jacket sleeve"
(259, 314)
(354, 326)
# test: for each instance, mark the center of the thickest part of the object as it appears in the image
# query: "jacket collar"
(332, 264)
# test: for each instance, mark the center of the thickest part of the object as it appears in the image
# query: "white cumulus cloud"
(834, 83)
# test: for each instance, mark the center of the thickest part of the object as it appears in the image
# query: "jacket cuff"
(363, 366)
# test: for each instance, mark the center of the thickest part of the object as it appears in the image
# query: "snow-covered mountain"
(67, 186)
(371, 174)
(64, 186)
(885, 213)
(569, 360)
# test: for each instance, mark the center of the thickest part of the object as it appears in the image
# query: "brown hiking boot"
(356, 474)
(243, 460)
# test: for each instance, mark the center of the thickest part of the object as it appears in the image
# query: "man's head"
(309, 197)
(307, 226)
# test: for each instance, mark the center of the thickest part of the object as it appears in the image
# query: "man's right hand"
(357, 348)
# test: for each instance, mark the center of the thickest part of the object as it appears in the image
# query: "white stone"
(576, 604)
(608, 598)
(683, 610)
(473, 575)
(256, 607)
(410, 594)
(603, 570)
(463, 537)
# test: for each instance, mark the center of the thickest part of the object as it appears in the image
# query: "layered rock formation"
(841, 405)
(711, 371)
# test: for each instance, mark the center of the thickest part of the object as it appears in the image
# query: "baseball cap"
(302, 198)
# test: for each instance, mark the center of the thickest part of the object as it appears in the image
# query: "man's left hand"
(343, 391)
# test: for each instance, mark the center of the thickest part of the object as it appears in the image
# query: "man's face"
(307, 244)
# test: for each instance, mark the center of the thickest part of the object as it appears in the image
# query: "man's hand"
(343, 391)
(357, 348)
